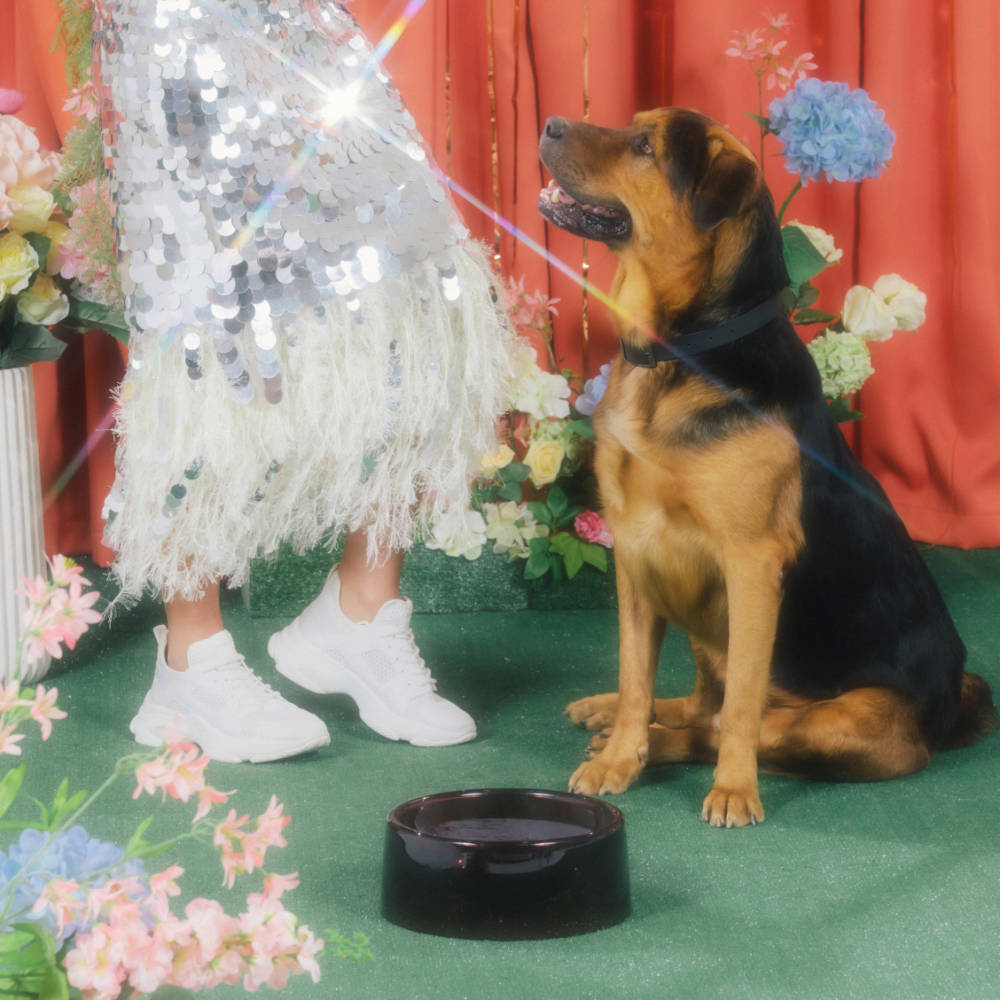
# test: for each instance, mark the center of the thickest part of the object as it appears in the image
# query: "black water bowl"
(505, 863)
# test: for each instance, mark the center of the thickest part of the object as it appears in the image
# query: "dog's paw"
(596, 712)
(729, 808)
(598, 743)
(606, 775)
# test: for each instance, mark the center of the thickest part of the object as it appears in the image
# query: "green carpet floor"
(846, 891)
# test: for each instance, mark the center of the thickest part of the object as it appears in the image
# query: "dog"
(822, 645)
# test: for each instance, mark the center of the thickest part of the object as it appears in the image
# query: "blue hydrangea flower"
(593, 391)
(71, 855)
(826, 128)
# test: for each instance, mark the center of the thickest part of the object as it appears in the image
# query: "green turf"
(846, 891)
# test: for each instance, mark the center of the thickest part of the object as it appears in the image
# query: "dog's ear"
(724, 190)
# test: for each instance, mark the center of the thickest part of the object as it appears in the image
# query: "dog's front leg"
(641, 632)
(754, 593)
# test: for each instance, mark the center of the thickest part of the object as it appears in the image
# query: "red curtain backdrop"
(481, 77)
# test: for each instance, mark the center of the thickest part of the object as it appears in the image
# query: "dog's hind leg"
(867, 734)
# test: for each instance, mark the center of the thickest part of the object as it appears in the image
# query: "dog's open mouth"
(608, 223)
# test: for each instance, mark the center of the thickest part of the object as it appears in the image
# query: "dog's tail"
(977, 715)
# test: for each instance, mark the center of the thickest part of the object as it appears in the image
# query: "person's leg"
(365, 587)
(191, 621)
(355, 639)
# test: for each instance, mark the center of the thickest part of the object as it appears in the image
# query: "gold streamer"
(585, 266)
(494, 155)
(517, 83)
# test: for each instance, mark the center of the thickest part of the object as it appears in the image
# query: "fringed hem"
(385, 413)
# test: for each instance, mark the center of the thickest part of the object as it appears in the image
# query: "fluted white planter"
(22, 547)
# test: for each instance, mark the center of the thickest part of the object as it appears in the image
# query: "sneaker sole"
(152, 719)
(297, 659)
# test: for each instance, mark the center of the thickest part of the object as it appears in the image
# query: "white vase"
(22, 546)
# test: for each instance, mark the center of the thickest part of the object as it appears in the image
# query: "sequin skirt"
(315, 343)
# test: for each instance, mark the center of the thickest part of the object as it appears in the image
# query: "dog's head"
(673, 192)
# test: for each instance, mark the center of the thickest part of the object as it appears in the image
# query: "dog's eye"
(642, 145)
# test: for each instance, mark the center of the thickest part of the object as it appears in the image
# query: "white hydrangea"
(536, 392)
(821, 240)
(843, 362)
(458, 532)
(903, 299)
(511, 526)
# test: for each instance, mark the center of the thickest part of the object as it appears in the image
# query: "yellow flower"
(57, 233)
(37, 206)
(18, 262)
(500, 459)
(544, 459)
(43, 303)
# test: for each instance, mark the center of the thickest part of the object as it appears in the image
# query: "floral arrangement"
(827, 131)
(80, 912)
(53, 268)
(536, 496)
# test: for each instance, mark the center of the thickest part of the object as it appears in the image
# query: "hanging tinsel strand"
(494, 155)
(585, 266)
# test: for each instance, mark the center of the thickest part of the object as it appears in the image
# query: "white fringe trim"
(421, 434)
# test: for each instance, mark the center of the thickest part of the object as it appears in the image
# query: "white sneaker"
(223, 706)
(376, 663)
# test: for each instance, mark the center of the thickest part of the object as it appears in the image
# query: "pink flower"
(43, 709)
(11, 101)
(309, 946)
(747, 45)
(64, 571)
(83, 102)
(162, 885)
(785, 76)
(8, 696)
(210, 925)
(207, 798)
(529, 311)
(590, 527)
(177, 772)
(9, 738)
(75, 611)
(62, 897)
(271, 822)
(89, 966)
(778, 22)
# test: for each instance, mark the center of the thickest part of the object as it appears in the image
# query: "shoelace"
(245, 684)
(406, 657)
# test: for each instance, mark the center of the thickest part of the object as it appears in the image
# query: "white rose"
(18, 262)
(821, 240)
(459, 532)
(866, 313)
(43, 303)
(536, 392)
(904, 300)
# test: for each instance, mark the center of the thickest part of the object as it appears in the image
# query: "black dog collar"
(699, 341)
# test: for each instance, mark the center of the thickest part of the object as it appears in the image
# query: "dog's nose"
(555, 128)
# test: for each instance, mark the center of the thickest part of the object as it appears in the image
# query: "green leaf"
(40, 244)
(510, 491)
(584, 428)
(63, 807)
(137, 843)
(85, 315)
(807, 295)
(596, 555)
(539, 562)
(10, 786)
(764, 123)
(28, 343)
(806, 316)
(515, 472)
(841, 410)
(557, 503)
(574, 558)
(54, 986)
(802, 259)
(540, 511)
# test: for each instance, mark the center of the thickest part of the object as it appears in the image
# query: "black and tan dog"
(823, 648)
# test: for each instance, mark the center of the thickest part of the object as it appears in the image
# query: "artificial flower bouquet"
(826, 131)
(55, 266)
(535, 498)
(83, 917)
